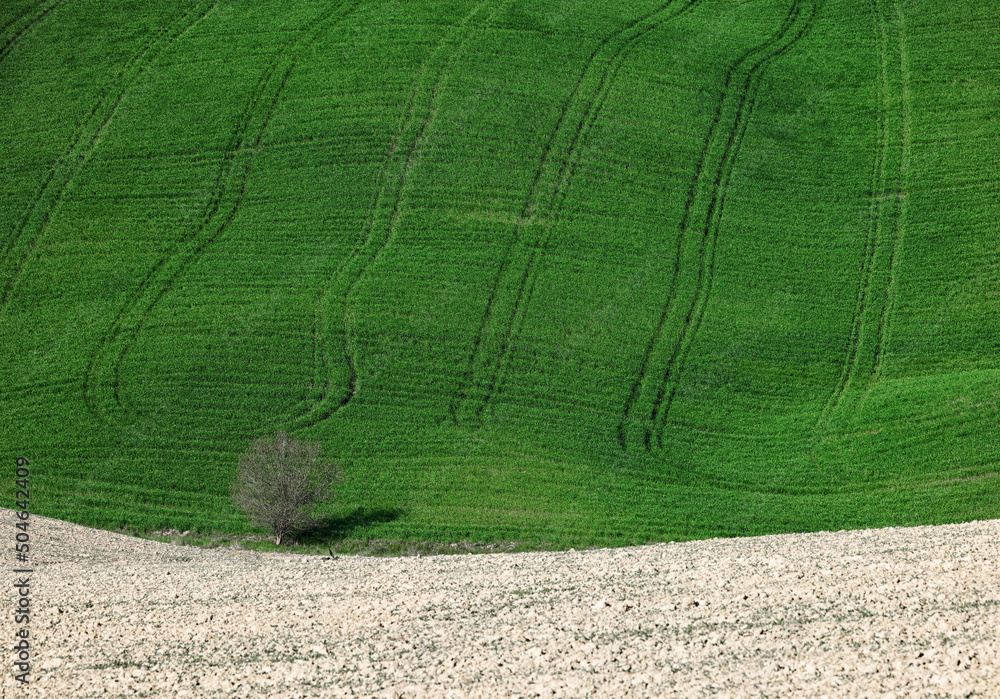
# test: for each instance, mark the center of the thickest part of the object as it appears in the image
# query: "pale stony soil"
(891, 612)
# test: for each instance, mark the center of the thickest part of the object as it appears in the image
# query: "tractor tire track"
(693, 190)
(710, 235)
(865, 356)
(865, 294)
(520, 266)
(705, 217)
(906, 135)
(85, 142)
(103, 376)
(15, 30)
(326, 398)
(564, 179)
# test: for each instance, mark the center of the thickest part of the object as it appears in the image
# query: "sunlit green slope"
(575, 272)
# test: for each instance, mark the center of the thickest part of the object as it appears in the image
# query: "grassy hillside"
(582, 273)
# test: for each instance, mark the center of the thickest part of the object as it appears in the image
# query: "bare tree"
(280, 482)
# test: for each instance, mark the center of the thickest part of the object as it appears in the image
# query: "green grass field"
(561, 273)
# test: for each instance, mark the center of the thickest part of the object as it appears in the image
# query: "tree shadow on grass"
(337, 528)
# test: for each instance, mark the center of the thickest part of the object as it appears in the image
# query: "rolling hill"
(572, 273)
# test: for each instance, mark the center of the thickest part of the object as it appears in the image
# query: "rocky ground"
(877, 613)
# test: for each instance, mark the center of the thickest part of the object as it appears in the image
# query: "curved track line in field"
(865, 292)
(695, 187)
(713, 220)
(88, 137)
(102, 382)
(397, 172)
(520, 266)
(906, 134)
(886, 211)
(566, 172)
(17, 28)
(707, 222)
